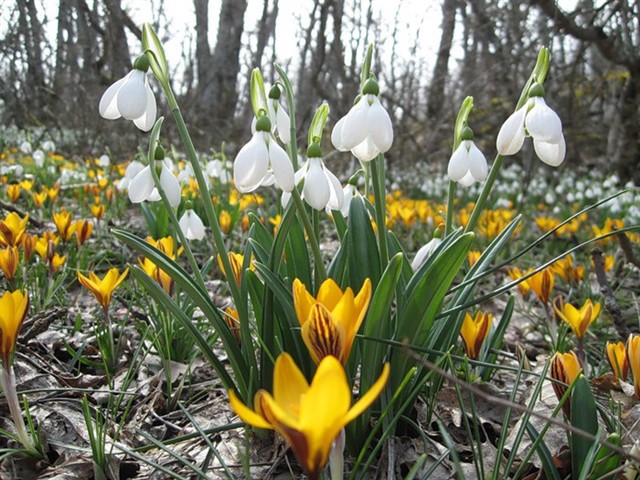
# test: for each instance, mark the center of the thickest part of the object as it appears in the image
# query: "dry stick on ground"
(12, 208)
(502, 402)
(610, 302)
(627, 249)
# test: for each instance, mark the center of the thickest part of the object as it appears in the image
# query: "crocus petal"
(132, 96)
(380, 127)
(141, 186)
(251, 164)
(246, 414)
(543, 123)
(550, 153)
(316, 186)
(369, 397)
(512, 133)
(148, 118)
(108, 107)
(458, 163)
(281, 166)
(289, 383)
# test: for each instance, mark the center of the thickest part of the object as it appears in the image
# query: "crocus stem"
(9, 387)
(321, 273)
(450, 198)
(486, 189)
(380, 200)
(336, 457)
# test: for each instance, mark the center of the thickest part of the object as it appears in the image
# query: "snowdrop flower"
(536, 119)
(262, 162)
(142, 187)
(25, 147)
(104, 161)
(219, 170)
(349, 191)
(467, 164)
(131, 97)
(191, 225)
(38, 158)
(366, 130)
(48, 146)
(280, 123)
(130, 172)
(186, 173)
(425, 252)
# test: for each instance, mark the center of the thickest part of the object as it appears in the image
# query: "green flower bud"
(536, 90)
(263, 124)
(275, 92)
(313, 151)
(188, 205)
(141, 63)
(159, 154)
(371, 87)
(467, 134)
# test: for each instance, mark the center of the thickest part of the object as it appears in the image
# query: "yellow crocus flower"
(617, 356)
(62, 220)
(102, 288)
(579, 319)
(82, 229)
(157, 274)
(331, 320)
(309, 417)
(13, 310)
(473, 256)
(565, 367)
(27, 185)
(9, 258)
(97, 210)
(474, 332)
(13, 192)
(12, 229)
(237, 261)
(224, 219)
(39, 198)
(542, 284)
(633, 357)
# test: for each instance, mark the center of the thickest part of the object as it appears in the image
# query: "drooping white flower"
(129, 174)
(104, 161)
(467, 164)
(191, 225)
(280, 122)
(131, 98)
(142, 187)
(221, 171)
(38, 158)
(366, 130)
(262, 162)
(25, 147)
(424, 253)
(541, 123)
(48, 146)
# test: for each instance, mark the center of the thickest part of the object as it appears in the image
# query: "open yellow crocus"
(62, 220)
(331, 320)
(309, 417)
(13, 310)
(102, 288)
(474, 332)
(12, 229)
(579, 319)
(617, 356)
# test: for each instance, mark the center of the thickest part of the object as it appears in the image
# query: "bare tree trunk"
(435, 97)
(266, 30)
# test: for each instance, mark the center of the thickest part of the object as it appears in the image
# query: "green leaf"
(584, 416)
(258, 94)
(363, 257)
(495, 339)
(607, 460)
(297, 254)
(317, 124)
(543, 452)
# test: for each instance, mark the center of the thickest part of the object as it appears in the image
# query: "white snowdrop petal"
(316, 186)
(281, 167)
(365, 151)
(148, 118)
(336, 195)
(132, 96)
(141, 186)
(133, 169)
(551, 153)
(380, 127)
(543, 123)
(336, 135)
(424, 253)
(108, 106)
(354, 130)
(154, 196)
(458, 163)
(283, 122)
(348, 192)
(170, 186)
(477, 163)
(251, 164)
(512, 133)
(467, 180)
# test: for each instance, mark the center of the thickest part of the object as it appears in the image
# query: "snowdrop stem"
(291, 106)
(320, 272)
(380, 203)
(210, 213)
(484, 194)
(450, 197)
